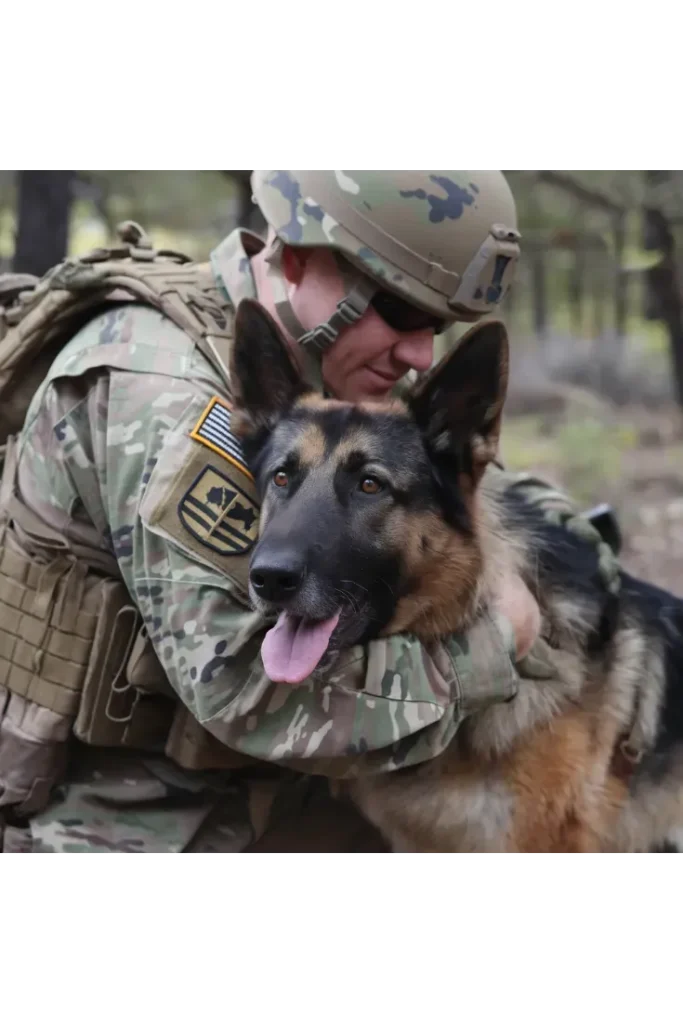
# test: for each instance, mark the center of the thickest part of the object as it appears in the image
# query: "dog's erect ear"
(459, 405)
(264, 379)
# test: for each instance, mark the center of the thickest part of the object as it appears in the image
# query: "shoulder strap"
(37, 317)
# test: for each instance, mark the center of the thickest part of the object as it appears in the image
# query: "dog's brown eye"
(280, 479)
(370, 485)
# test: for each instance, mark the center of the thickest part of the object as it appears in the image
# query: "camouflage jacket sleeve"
(111, 445)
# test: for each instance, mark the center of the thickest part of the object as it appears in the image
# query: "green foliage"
(584, 453)
(591, 454)
(178, 200)
(7, 190)
(191, 210)
(525, 443)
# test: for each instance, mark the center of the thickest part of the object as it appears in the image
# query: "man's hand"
(518, 606)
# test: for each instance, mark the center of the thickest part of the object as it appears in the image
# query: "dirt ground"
(631, 457)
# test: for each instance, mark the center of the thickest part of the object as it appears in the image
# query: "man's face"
(370, 356)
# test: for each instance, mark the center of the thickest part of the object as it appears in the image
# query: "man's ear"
(459, 405)
(263, 376)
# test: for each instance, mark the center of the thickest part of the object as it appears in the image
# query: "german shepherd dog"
(380, 518)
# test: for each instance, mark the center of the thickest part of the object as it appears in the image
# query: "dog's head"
(368, 520)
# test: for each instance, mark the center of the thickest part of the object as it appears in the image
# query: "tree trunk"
(663, 280)
(620, 281)
(43, 220)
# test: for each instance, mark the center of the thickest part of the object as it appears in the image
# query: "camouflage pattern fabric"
(103, 442)
(119, 802)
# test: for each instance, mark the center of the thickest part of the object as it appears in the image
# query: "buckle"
(320, 338)
(348, 312)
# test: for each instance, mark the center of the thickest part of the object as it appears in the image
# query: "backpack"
(38, 316)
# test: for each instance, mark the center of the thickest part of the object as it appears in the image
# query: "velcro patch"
(213, 430)
(219, 514)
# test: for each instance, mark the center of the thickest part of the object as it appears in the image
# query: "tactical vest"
(74, 655)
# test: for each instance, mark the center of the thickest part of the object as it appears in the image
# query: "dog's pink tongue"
(293, 647)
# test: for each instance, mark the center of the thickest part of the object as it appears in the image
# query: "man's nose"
(277, 576)
(415, 350)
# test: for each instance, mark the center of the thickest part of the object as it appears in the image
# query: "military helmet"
(445, 241)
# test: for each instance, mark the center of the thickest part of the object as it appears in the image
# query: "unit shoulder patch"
(218, 513)
(213, 431)
(202, 498)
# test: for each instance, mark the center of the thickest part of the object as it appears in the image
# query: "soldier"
(136, 713)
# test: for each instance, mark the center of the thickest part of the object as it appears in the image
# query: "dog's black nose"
(276, 579)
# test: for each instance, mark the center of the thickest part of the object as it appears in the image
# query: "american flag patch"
(213, 430)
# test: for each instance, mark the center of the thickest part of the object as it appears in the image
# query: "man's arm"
(391, 703)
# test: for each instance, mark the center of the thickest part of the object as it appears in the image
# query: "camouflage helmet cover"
(446, 241)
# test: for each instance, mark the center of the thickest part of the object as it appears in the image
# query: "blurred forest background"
(595, 316)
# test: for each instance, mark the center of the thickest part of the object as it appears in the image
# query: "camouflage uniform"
(114, 439)
(126, 450)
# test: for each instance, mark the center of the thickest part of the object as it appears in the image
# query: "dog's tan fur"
(541, 772)
(534, 774)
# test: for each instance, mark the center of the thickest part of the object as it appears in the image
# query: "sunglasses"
(403, 316)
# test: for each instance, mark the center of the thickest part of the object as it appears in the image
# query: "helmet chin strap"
(314, 343)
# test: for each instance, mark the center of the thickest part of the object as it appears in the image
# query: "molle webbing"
(52, 619)
(66, 637)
